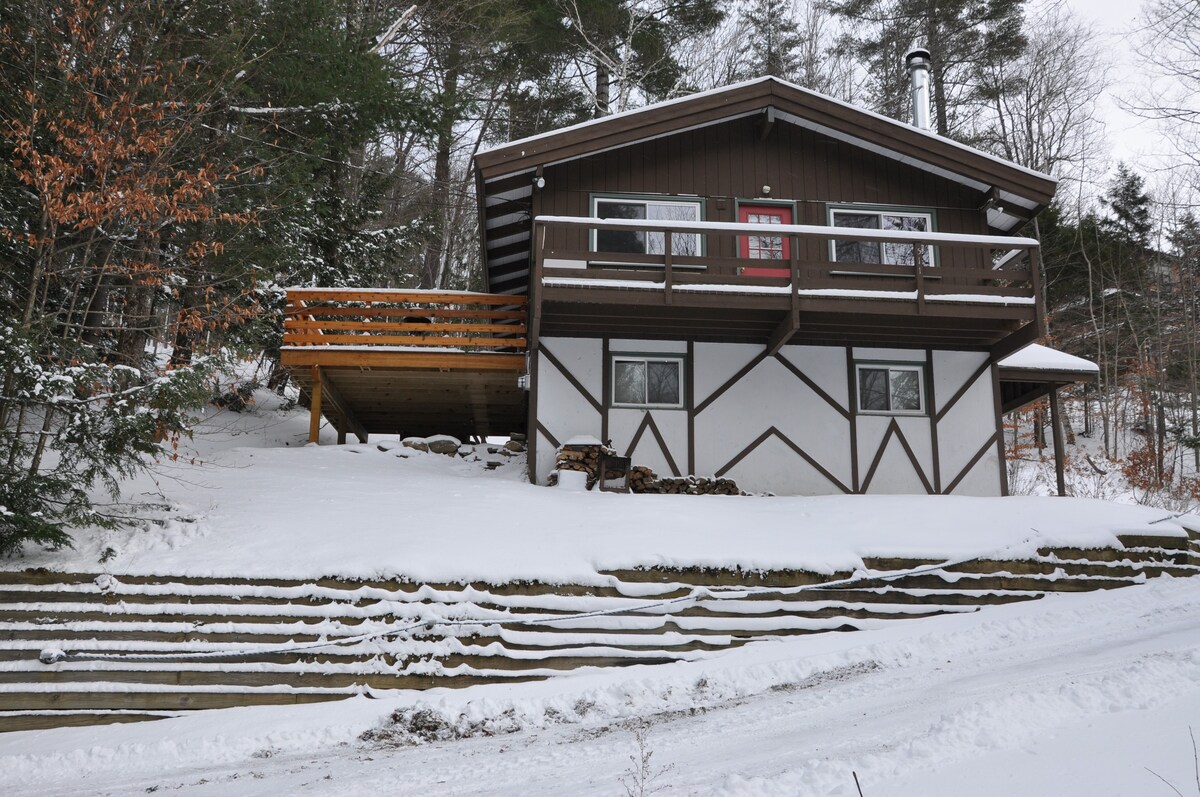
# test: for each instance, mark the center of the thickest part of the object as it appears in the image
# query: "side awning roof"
(1031, 373)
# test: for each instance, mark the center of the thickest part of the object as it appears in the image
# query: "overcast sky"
(1130, 138)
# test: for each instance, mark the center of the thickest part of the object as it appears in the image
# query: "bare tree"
(1171, 52)
(1044, 100)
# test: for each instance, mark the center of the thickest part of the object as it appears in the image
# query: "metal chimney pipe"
(917, 62)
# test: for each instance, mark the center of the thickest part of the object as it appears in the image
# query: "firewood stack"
(586, 458)
(690, 485)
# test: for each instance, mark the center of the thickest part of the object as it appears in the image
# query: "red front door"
(764, 246)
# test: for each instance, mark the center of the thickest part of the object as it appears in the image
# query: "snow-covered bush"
(70, 425)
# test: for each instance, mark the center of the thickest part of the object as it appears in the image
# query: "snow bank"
(260, 503)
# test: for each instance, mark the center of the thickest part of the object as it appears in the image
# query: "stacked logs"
(586, 458)
(691, 485)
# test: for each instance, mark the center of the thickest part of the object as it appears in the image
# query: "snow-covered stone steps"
(472, 633)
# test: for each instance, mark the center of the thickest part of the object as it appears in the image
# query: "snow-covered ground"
(1077, 694)
(247, 498)
(1074, 694)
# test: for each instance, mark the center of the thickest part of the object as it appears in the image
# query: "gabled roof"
(791, 103)
(503, 173)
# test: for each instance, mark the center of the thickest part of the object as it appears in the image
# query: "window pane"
(620, 240)
(662, 384)
(764, 247)
(629, 382)
(681, 243)
(857, 251)
(906, 391)
(873, 389)
(904, 254)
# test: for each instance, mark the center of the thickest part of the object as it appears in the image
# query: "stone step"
(127, 699)
(45, 720)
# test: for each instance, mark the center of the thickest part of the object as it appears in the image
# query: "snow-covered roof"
(523, 142)
(1036, 357)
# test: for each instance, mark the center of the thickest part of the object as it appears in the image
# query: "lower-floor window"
(889, 388)
(647, 381)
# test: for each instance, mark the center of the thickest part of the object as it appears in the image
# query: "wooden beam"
(314, 406)
(335, 398)
(766, 122)
(1056, 422)
(783, 333)
(359, 358)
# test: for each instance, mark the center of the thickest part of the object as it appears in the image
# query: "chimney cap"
(917, 54)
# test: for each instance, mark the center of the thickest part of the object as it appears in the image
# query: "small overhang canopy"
(1031, 373)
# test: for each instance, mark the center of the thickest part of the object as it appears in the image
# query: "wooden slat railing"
(403, 318)
(963, 265)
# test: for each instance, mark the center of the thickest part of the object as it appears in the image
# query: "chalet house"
(758, 282)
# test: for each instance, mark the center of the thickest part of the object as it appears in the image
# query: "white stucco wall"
(772, 405)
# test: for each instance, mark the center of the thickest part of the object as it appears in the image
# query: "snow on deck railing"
(803, 230)
(401, 318)
(1004, 273)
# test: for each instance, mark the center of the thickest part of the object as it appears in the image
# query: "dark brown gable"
(724, 146)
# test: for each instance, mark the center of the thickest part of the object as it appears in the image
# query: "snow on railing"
(688, 256)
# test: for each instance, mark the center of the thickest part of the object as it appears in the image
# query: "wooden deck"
(405, 362)
(957, 291)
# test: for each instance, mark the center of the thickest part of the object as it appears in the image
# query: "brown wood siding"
(730, 161)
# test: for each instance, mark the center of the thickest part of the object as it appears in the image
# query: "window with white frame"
(647, 381)
(897, 254)
(661, 209)
(891, 388)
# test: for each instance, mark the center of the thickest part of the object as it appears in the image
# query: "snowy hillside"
(246, 497)
(1087, 693)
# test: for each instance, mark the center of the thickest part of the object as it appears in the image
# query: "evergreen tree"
(632, 45)
(962, 36)
(774, 39)
(1128, 203)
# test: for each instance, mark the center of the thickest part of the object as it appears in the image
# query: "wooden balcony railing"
(945, 267)
(352, 318)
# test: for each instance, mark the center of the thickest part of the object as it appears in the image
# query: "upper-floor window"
(897, 254)
(650, 208)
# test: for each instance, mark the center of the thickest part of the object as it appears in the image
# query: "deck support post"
(791, 322)
(1056, 424)
(314, 406)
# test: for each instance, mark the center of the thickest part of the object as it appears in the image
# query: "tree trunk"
(603, 90)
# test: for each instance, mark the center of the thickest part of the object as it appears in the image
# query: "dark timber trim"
(605, 388)
(813, 386)
(962, 474)
(570, 377)
(894, 430)
(531, 422)
(690, 375)
(773, 432)
(852, 406)
(996, 397)
(931, 395)
(962, 390)
(731, 381)
(648, 423)
(550, 438)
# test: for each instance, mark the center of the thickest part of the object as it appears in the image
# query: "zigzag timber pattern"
(934, 483)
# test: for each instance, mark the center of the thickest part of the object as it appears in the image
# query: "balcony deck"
(977, 292)
(405, 362)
